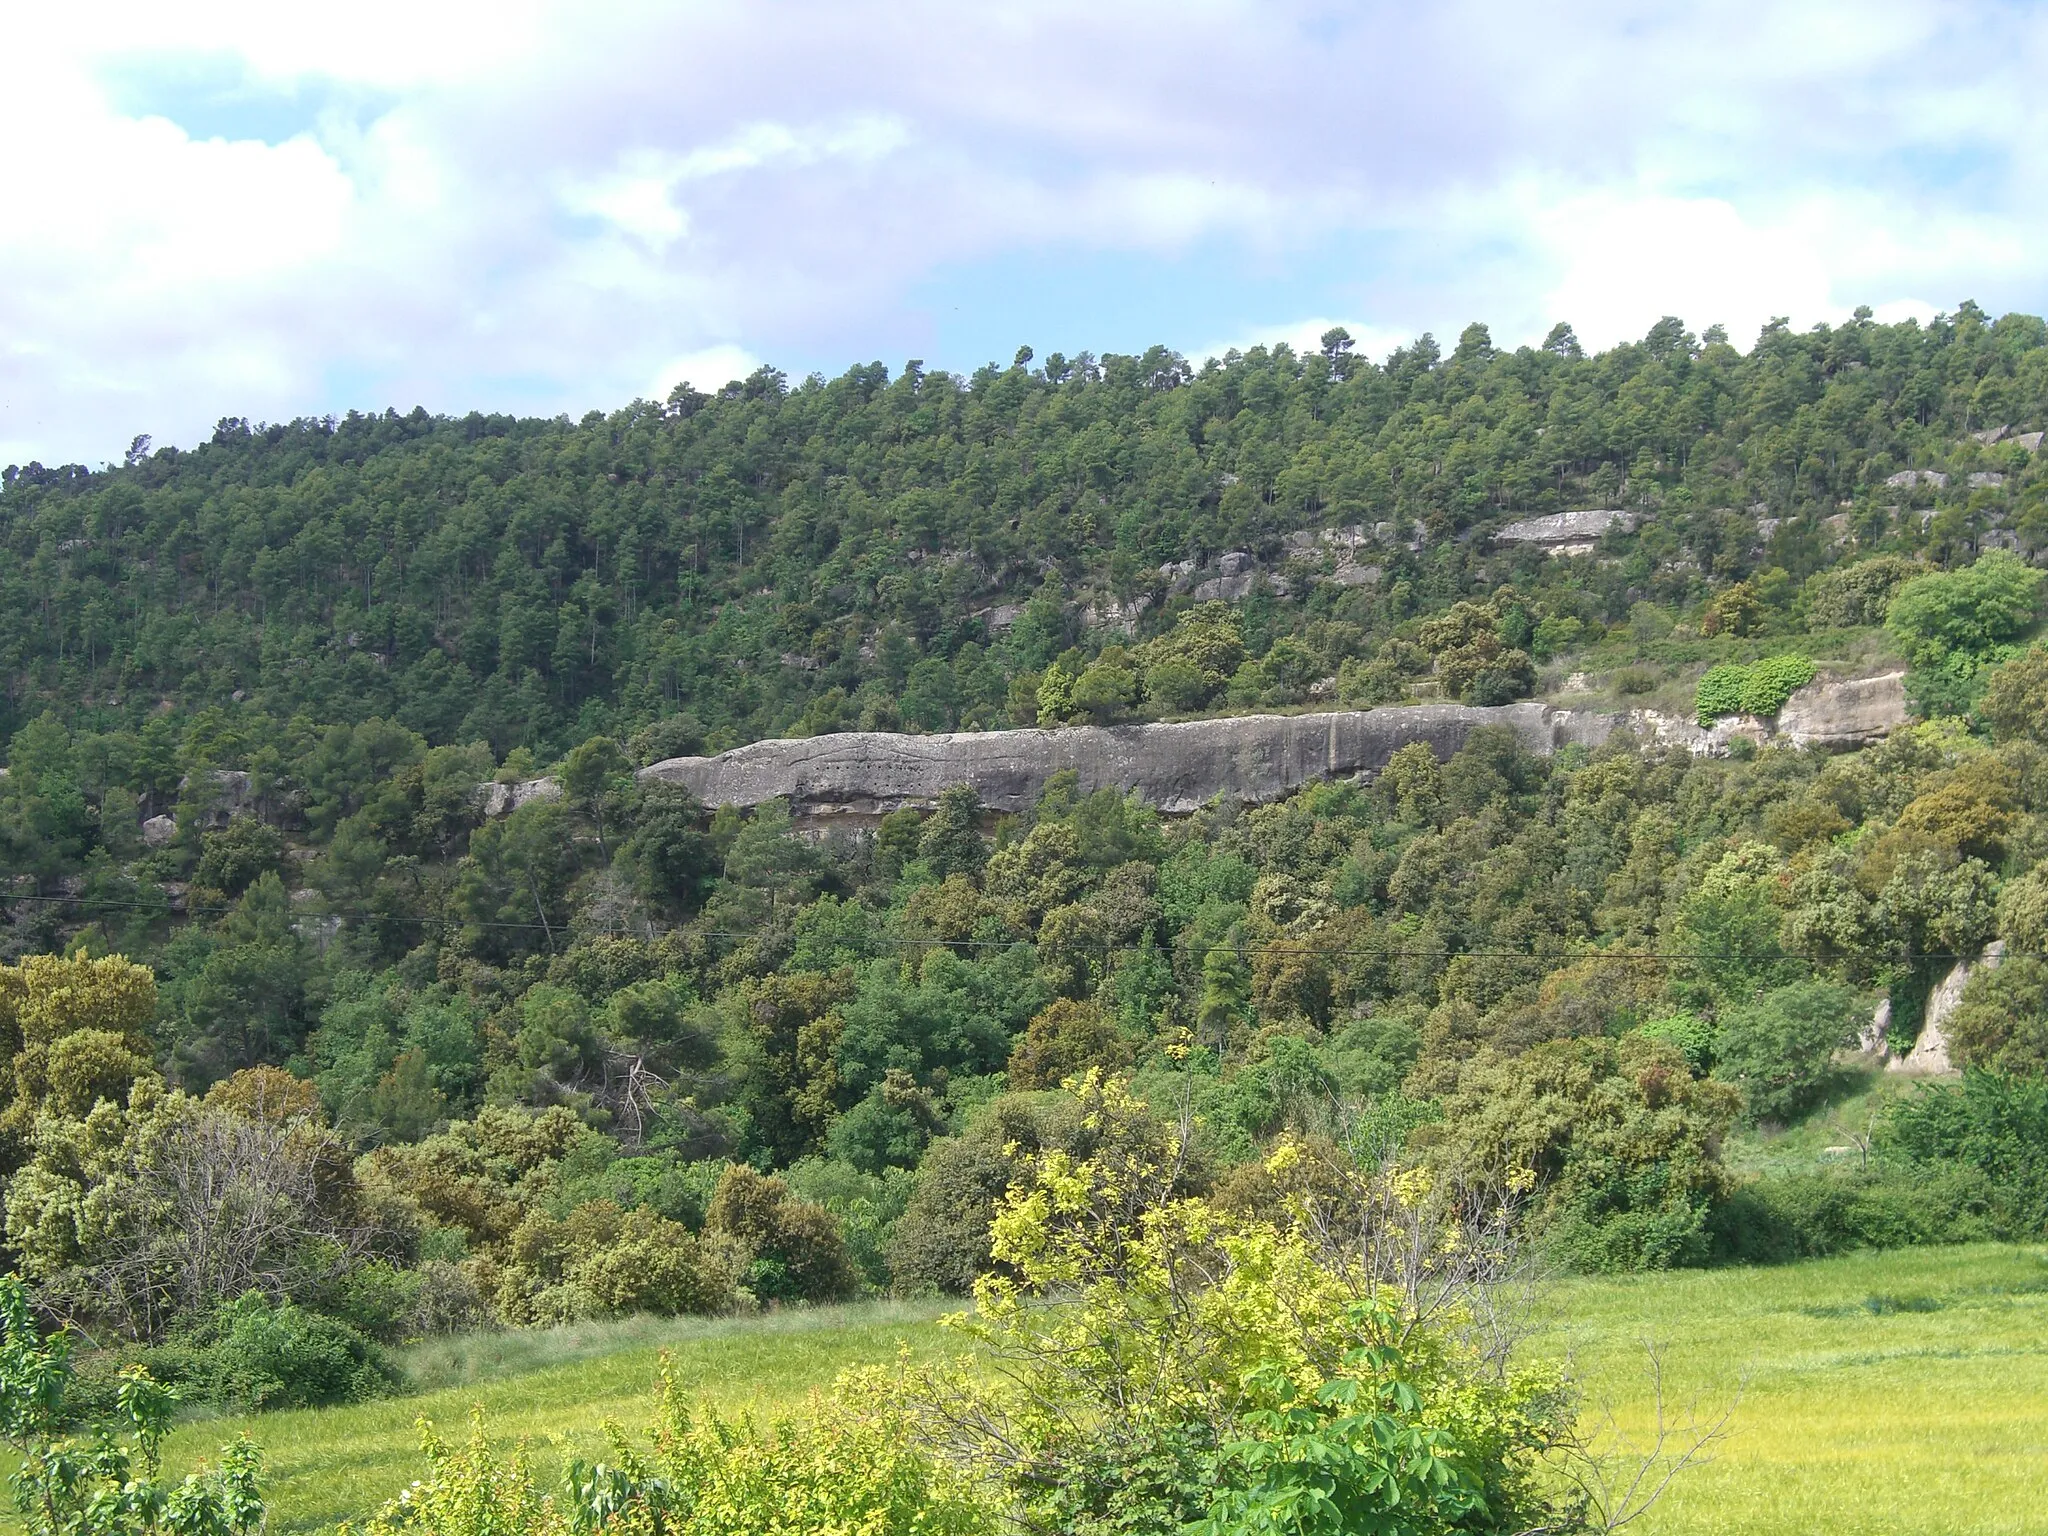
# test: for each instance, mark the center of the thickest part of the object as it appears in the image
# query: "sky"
(265, 211)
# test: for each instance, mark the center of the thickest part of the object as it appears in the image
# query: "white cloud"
(534, 205)
(1626, 261)
(706, 370)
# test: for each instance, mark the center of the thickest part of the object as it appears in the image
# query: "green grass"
(1835, 1135)
(552, 1388)
(1900, 1393)
(1903, 1394)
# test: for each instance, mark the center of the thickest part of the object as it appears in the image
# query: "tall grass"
(1899, 1394)
(553, 1388)
(1904, 1394)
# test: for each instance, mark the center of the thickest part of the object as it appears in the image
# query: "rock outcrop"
(504, 799)
(1929, 1056)
(1567, 533)
(860, 775)
(1836, 716)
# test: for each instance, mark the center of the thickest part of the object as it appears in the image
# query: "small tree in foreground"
(1335, 1353)
(112, 1486)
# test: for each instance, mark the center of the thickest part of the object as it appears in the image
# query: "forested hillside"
(611, 1052)
(778, 559)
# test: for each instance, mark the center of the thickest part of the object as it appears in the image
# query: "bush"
(1621, 1141)
(2015, 699)
(795, 1248)
(1169, 1365)
(283, 1356)
(1851, 596)
(1995, 1126)
(1780, 1049)
(941, 1241)
(2002, 1022)
(1063, 1041)
(1761, 688)
(115, 1487)
(1955, 621)
(1693, 1036)
(1811, 1216)
(853, 1466)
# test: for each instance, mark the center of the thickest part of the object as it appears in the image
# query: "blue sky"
(246, 209)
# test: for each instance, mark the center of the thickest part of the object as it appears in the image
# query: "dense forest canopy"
(545, 1056)
(777, 559)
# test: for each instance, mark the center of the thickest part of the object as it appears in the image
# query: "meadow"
(1903, 1393)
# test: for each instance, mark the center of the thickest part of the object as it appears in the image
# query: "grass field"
(1901, 1393)
(552, 1388)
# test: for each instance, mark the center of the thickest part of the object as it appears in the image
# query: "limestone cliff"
(859, 775)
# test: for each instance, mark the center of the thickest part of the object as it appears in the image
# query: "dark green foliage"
(281, 1356)
(234, 858)
(1779, 1049)
(1620, 1140)
(1851, 596)
(1811, 1216)
(714, 569)
(2002, 1023)
(1994, 1125)
(795, 1248)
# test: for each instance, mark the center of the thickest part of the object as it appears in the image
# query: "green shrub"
(796, 1251)
(1761, 688)
(1811, 1216)
(1622, 1141)
(1169, 1365)
(115, 1486)
(853, 1466)
(1956, 621)
(2002, 1023)
(1996, 1126)
(1850, 596)
(1780, 1048)
(1720, 692)
(283, 1356)
(1693, 1035)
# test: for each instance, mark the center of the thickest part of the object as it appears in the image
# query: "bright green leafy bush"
(1760, 688)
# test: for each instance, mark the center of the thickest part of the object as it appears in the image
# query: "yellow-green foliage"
(74, 1031)
(849, 1467)
(1143, 1334)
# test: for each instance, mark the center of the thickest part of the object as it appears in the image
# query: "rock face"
(159, 830)
(226, 792)
(861, 775)
(858, 776)
(1840, 715)
(1929, 1055)
(1828, 715)
(1566, 533)
(504, 799)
